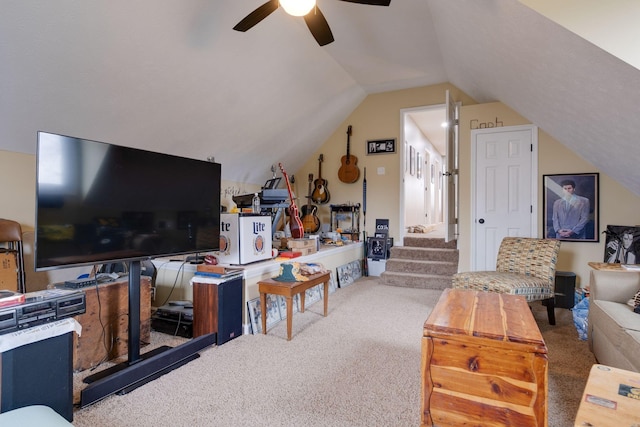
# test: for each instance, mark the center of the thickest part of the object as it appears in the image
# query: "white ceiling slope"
(174, 77)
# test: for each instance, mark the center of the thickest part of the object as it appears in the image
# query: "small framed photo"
(419, 165)
(282, 305)
(255, 313)
(381, 146)
(377, 247)
(348, 273)
(622, 244)
(570, 207)
(312, 295)
(333, 283)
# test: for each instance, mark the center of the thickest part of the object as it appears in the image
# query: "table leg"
(326, 298)
(263, 311)
(289, 316)
(302, 295)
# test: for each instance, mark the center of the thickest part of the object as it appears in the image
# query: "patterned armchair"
(525, 266)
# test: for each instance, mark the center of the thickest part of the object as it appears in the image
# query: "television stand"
(140, 369)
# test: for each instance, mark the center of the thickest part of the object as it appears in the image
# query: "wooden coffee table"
(611, 398)
(483, 358)
(288, 290)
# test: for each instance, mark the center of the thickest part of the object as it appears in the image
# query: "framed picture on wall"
(412, 160)
(406, 157)
(622, 244)
(419, 165)
(381, 146)
(570, 207)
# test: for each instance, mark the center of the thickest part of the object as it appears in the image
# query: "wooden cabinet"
(484, 362)
(105, 323)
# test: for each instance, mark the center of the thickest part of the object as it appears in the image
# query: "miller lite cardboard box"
(244, 238)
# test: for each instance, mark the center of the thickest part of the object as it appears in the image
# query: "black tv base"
(139, 370)
(124, 378)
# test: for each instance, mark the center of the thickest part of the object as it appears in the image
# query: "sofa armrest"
(617, 286)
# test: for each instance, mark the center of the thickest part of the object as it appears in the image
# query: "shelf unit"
(347, 218)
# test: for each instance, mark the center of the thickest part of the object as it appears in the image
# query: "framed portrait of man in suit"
(570, 207)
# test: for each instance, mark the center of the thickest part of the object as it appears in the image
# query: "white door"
(504, 189)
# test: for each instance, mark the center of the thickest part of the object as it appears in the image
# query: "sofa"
(613, 327)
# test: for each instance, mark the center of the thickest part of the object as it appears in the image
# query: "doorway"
(422, 153)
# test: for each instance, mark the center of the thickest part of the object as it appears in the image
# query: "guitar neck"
(310, 190)
(286, 178)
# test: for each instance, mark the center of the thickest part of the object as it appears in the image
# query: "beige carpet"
(360, 366)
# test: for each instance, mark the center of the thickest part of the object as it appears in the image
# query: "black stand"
(140, 369)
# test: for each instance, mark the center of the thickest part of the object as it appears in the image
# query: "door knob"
(481, 220)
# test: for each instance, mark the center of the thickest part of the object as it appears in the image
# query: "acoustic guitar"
(320, 193)
(349, 172)
(310, 220)
(297, 230)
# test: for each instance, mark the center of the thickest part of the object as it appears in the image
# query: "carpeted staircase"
(422, 262)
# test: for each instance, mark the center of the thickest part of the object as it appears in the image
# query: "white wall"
(414, 187)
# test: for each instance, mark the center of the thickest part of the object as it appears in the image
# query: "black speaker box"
(229, 310)
(40, 373)
(565, 289)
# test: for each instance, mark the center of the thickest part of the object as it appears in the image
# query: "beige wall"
(378, 116)
(617, 205)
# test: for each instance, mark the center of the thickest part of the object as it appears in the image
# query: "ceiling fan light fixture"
(297, 7)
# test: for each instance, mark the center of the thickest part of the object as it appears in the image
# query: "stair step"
(440, 268)
(428, 242)
(420, 281)
(422, 262)
(424, 253)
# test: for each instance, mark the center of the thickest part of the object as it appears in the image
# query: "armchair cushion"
(530, 287)
(525, 266)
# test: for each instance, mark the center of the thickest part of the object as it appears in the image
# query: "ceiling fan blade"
(371, 2)
(257, 15)
(319, 26)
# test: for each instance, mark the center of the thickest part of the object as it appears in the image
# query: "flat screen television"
(102, 203)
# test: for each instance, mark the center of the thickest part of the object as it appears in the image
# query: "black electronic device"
(80, 283)
(174, 320)
(42, 307)
(267, 197)
(99, 202)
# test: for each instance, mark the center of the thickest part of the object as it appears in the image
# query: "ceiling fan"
(315, 20)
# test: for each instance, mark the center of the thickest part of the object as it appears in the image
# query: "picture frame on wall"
(419, 165)
(570, 207)
(412, 160)
(381, 146)
(622, 244)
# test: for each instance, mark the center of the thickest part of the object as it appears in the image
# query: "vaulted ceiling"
(172, 76)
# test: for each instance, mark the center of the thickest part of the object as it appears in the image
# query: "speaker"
(565, 289)
(217, 308)
(39, 373)
(229, 310)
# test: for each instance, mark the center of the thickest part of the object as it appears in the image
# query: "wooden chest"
(105, 324)
(484, 362)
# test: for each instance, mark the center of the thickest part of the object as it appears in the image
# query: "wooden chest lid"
(494, 316)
